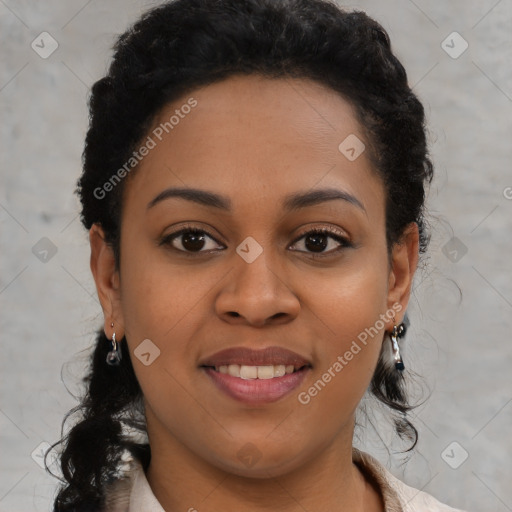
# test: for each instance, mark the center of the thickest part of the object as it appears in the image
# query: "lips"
(243, 356)
(256, 392)
(256, 377)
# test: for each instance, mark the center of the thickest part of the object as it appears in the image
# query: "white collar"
(142, 498)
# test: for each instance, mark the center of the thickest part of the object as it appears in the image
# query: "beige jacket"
(133, 493)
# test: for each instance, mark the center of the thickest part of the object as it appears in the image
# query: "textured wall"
(461, 347)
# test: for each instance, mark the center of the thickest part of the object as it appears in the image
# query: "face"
(292, 254)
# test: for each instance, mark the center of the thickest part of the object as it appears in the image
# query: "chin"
(251, 462)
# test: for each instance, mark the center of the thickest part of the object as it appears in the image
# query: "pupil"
(193, 241)
(319, 241)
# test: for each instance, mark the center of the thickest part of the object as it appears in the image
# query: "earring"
(114, 356)
(398, 332)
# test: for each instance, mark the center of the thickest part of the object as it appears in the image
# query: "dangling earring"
(114, 356)
(398, 332)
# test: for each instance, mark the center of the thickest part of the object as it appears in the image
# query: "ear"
(404, 261)
(106, 277)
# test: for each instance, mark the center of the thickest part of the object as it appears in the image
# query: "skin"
(254, 140)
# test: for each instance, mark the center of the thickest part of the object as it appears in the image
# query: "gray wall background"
(462, 347)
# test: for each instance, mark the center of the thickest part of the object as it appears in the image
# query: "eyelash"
(168, 239)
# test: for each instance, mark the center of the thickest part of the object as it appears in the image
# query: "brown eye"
(317, 241)
(190, 240)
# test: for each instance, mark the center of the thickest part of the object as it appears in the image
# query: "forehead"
(258, 139)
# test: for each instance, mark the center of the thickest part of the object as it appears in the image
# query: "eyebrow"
(291, 202)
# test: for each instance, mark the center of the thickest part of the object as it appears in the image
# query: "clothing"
(133, 493)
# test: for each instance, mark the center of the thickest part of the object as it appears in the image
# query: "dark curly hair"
(184, 44)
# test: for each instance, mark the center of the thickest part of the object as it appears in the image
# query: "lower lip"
(257, 391)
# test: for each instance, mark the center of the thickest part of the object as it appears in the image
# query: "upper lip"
(259, 357)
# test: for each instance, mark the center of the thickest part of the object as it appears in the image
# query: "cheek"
(347, 310)
(350, 298)
(158, 296)
(160, 303)
(167, 304)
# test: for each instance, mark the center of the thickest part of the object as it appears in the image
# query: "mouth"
(256, 377)
(255, 391)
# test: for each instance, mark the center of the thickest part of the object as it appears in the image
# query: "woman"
(253, 186)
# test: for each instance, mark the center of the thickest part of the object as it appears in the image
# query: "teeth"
(264, 372)
(255, 372)
(248, 372)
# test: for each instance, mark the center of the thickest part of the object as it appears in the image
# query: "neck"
(327, 480)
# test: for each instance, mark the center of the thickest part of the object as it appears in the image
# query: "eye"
(317, 241)
(190, 240)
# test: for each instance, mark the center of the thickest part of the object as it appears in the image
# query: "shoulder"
(415, 500)
(398, 497)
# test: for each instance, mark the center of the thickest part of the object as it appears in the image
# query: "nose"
(257, 294)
